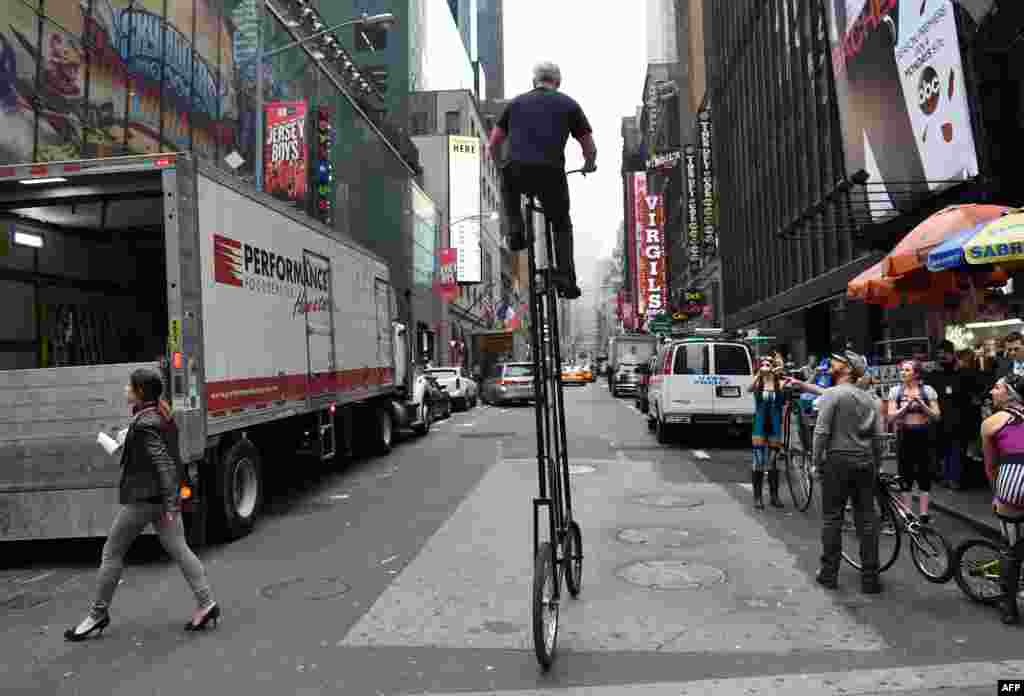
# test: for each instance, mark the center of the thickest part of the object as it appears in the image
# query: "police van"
(700, 380)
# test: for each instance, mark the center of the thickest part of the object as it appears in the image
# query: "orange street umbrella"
(858, 287)
(912, 251)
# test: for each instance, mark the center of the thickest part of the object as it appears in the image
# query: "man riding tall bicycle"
(537, 125)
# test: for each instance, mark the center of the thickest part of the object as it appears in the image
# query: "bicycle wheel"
(799, 478)
(545, 605)
(888, 538)
(976, 570)
(573, 551)
(932, 554)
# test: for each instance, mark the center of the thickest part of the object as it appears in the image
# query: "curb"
(985, 526)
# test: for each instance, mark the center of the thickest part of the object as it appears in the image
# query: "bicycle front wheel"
(976, 570)
(799, 478)
(932, 554)
(546, 579)
(888, 538)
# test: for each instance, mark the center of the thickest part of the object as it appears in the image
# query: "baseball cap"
(857, 362)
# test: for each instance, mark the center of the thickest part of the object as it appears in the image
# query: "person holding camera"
(910, 409)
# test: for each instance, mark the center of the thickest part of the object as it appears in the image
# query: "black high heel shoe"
(212, 615)
(72, 633)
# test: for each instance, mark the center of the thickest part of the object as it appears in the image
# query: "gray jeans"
(130, 522)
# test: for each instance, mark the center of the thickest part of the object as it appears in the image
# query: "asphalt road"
(411, 574)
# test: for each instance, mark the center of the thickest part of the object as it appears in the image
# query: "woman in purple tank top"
(1002, 440)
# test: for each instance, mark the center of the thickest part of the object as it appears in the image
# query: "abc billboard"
(902, 99)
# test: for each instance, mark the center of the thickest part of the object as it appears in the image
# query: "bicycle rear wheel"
(573, 550)
(932, 554)
(888, 538)
(976, 570)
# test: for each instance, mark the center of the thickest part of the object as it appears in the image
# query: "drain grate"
(485, 436)
(668, 500)
(312, 589)
(671, 575)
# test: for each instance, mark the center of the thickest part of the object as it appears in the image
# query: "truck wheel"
(384, 431)
(238, 490)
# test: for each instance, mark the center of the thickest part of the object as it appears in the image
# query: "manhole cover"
(669, 500)
(654, 536)
(671, 575)
(581, 469)
(24, 600)
(484, 436)
(302, 588)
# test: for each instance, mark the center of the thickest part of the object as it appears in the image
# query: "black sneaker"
(826, 580)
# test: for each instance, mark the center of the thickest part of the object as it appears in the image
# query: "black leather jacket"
(149, 468)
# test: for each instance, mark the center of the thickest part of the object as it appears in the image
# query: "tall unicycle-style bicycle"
(561, 554)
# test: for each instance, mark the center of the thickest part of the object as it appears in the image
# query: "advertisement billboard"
(709, 233)
(902, 99)
(464, 205)
(650, 222)
(447, 265)
(285, 150)
(692, 217)
(637, 192)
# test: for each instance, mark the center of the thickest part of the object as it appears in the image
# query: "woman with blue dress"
(767, 432)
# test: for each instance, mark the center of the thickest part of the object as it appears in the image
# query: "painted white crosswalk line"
(700, 454)
(662, 573)
(953, 678)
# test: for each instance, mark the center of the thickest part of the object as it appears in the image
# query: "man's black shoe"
(827, 580)
(571, 292)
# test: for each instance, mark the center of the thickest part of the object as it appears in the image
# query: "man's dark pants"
(551, 187)
(849, 477)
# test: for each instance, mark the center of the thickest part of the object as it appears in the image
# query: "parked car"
(460, 386)
(626, 380)
(645, 371)
(435, 404)
(700, 381)
(510, 382)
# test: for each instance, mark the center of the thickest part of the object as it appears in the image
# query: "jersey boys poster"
(285, 150)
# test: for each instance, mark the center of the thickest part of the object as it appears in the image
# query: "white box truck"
(275, 335)
(625, 352)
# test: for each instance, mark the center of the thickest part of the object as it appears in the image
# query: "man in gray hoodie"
(848, 454)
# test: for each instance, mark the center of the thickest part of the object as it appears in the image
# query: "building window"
(419, 123)
(451, 122)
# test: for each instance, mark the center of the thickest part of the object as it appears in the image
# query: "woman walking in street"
(1002, 441)
(149, 490)
(910, 408)
(767, 431)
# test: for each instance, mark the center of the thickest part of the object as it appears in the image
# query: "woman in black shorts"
(910, 408)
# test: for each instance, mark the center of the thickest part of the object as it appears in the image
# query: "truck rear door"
(314, 302)
(733, 374)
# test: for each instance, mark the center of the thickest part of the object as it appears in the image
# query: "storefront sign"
(693, 235)
(664, 160)
(637, 191)
(285, 157)
(650, 219)
(324, 173)
(709, 238)
(902, 98)
(464, 205)
(652, 104)
(446, 286)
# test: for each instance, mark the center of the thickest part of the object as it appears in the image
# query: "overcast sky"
(601, 49)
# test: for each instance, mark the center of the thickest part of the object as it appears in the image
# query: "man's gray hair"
(548, 72)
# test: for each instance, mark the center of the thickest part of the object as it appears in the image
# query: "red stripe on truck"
(254, 392)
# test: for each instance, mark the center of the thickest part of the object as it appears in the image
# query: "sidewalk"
(972, 506)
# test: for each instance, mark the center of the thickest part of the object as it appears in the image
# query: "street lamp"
(385, 21)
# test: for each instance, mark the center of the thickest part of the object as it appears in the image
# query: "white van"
(700, 381)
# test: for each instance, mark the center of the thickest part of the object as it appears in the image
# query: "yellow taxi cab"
(572, 374)
(587, 373)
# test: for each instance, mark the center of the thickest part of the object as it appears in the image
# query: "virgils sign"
(650, 251)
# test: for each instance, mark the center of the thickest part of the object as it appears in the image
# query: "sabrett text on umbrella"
(1003, 249)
